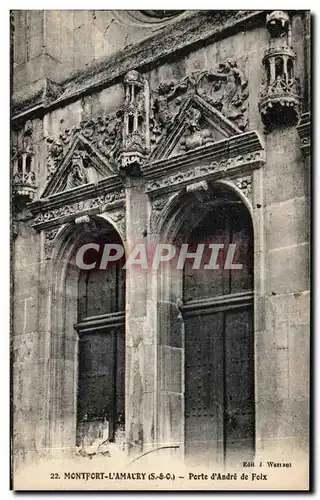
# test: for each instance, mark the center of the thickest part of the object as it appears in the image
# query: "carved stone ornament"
(73, 210)
(304, 132)
(194, 135)
(200, 190)
(54, 155)
(49, 241)
(77, 174)
(225, 89)
(119, 219)
(245, 184)
(157, 208)
(194, 174)
(103, 133)
(126, 138)
(279, 101)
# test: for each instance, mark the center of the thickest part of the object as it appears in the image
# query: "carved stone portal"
(279, 102)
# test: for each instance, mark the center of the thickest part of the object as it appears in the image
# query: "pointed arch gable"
(95, 160)
(207, 116)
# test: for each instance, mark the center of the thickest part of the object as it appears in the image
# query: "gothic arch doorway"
(216, 325)
(89, 324)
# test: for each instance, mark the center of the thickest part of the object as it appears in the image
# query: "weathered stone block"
(287, 223)
(171, 369)
(288, 269)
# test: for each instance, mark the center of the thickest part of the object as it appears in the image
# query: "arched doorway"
(219, 357)
(89, 312)
(101, 352)
(216, 325)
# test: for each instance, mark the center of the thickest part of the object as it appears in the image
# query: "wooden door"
(101, 351)
(219, 346)
(101, 380)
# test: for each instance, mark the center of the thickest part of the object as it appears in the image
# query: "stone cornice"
(243, 152)
(184, 35)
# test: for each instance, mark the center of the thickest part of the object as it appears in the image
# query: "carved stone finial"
(135, 133)
(279, 102)
(277, 23)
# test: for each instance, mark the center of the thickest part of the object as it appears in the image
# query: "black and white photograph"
(160, 199)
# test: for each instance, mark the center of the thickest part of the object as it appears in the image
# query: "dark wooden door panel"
(204, 387)
(101, 379)
(219, 347)
(219, 386)
(96, 374)
(239, 386)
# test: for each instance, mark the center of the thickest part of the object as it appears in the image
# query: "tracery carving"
(136, 142)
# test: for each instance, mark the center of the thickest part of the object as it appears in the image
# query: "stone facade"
(133, 121)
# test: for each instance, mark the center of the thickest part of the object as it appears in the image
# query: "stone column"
(283, 347)
(140, 333)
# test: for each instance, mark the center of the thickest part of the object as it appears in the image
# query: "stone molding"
(232, 157)
(107, 195)
(232, 160)
(81, 152)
